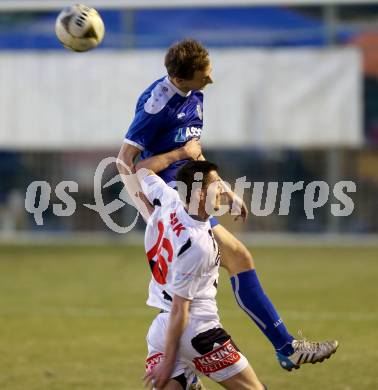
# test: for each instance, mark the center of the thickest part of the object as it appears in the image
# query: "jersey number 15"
(158, 263)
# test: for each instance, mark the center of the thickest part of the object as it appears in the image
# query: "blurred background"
(295, 99)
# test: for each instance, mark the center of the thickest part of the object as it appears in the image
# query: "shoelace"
(304, 345)
(307, 346)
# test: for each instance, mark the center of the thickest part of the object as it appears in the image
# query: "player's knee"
(235, 257)
(239, 260)
(244, 255)
(256, 385)
(249, 382)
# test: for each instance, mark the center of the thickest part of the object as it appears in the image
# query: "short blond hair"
(185, 57)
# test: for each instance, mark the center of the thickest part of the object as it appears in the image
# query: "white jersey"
(182, 253)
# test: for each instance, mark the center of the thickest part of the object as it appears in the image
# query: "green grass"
(75, 317)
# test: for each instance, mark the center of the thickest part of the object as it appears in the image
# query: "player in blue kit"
(168, 120)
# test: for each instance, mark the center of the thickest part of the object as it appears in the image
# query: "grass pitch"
(75, 317)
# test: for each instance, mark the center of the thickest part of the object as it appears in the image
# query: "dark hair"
(185, 57)
(187, 172)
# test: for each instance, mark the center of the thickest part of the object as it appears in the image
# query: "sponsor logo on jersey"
(186, 133)
(181, 115)
(199, 111)
(218, 359)
(193, 132)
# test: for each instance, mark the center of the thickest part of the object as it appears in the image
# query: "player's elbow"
(140, 165)
(124, 167)
(125, 163)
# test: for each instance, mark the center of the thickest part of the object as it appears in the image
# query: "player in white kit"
(184, 259)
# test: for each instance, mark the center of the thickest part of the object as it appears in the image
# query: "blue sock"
(252, 299)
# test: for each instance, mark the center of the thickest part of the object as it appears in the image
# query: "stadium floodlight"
(18, 5)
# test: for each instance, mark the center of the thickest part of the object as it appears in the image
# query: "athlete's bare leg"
(245, 380)
(249, 293)
(235, 257)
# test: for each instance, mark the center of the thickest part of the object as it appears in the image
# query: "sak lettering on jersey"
(177, 226)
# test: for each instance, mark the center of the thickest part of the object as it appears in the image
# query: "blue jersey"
(165, 119)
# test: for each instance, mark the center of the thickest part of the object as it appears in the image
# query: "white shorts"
(204, 347)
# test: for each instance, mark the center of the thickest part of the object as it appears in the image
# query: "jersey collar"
(193, 221)
(175, 89)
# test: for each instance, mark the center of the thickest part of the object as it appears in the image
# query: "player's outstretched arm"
(236, 203)
(190, 151)
(126, 168)
(178, 320)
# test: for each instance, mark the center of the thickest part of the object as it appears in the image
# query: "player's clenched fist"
(192, 149)
(158, 377)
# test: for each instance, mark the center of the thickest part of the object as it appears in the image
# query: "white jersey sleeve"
(156, 190)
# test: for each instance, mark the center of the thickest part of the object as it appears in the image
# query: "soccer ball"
(79, 28)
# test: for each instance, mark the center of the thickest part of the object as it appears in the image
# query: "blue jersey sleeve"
(143, 128)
